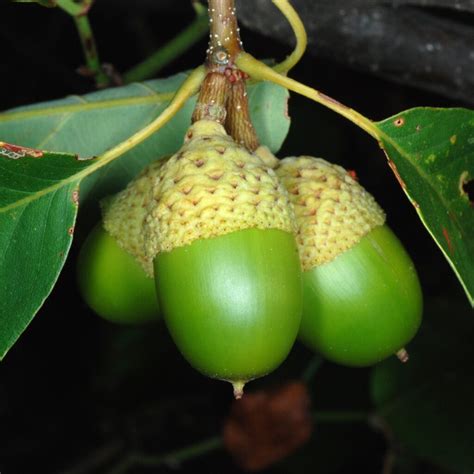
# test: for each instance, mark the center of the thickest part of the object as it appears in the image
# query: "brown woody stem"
(211, 104)
(224, 46)
(238, 122)
(223, 95)
(224, 42)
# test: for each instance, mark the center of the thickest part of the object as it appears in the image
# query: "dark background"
(75, 387)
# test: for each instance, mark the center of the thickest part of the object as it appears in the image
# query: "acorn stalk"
(361, 295)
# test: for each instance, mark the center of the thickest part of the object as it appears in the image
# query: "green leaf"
(38, 208)
(95, 122)
(431, 151)
(269, 113)
(429, 402)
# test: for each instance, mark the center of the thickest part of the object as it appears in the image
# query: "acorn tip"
(402, 355)
(238, 389)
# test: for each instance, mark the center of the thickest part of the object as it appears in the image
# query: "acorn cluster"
(247, 253)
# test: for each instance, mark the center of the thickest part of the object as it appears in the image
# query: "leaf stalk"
(300, 35)
(188, 89)
(260, 71)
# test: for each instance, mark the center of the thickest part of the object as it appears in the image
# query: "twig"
(224, 41)
(171, 50)
(79, 11)
(172, 458)
(96, 459)
(223, 95)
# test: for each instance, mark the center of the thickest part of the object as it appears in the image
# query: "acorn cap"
(124, 214)
(212, 187)
(333, 211)
(265, 154)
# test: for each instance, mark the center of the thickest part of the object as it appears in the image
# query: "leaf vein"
(75, 108)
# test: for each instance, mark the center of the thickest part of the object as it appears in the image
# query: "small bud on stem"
(224, 42)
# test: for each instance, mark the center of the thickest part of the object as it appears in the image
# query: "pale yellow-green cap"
(124, 214)
(333, 211)
(212, 187)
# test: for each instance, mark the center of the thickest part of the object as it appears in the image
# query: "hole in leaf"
(399, 122)
(466, 186)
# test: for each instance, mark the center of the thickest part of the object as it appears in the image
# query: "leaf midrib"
(76, 177)
(81, 107)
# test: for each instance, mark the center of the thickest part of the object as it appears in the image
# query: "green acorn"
(219, 231)
(111, 264)
(113, 283)
(362, 300)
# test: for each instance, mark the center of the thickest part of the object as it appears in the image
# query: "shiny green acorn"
(365, 305)
(112, 283)
(227, 271)
(362, 299)
(232, 303)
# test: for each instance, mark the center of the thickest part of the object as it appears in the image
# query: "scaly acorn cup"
(109, 268)
(124, 214)
(362, 300)
(220, 231)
